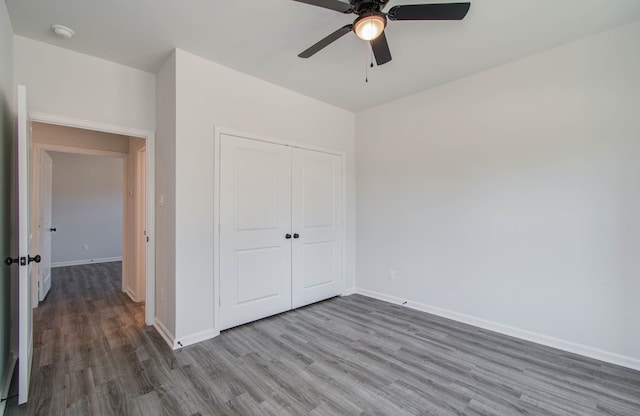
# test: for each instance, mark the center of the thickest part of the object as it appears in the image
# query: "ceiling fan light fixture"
(369, 26)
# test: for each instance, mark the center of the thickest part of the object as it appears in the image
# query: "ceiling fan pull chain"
(366, 67)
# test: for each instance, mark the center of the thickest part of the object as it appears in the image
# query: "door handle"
(287, 236)
(22, 260)
(9, 261)
(296, 235)
(53, 230)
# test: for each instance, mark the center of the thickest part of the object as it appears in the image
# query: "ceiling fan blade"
(326, 41)
(439, 11)
(381, 49)
(329, 4)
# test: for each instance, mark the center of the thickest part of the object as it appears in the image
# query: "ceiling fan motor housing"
(361, 7)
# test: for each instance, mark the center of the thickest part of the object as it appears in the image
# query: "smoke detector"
(63, 31)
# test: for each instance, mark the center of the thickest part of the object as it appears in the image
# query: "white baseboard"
(5, 382)
(546, 340)
(132, 295)
(167, 335)
(195, 338)
(175, 344)
(350, 291)
(85, 261)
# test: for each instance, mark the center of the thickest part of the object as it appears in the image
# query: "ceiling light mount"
(370, 25)
(62, 31)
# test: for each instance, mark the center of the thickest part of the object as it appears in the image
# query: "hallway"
(83, 337)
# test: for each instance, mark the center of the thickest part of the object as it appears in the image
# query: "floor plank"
(345, 356)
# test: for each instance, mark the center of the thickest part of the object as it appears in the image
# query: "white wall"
(86, 208)
(211, 95)
(63, 82)
(165, 199)
(513, 196)
(6, 161)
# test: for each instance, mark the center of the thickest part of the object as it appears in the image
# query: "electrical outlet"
(392, 274)
(85, 247)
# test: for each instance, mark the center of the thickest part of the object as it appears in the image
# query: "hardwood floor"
(345, 356)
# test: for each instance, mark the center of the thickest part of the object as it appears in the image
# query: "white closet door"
(255, 214)
(317, 220)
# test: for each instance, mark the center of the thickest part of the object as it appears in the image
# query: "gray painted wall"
(86, 207)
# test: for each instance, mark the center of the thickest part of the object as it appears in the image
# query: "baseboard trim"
(350, 291)
(85, 261)
(131, 295)
(5, 382)
(168, 337)
(195, 338)
(538, 338)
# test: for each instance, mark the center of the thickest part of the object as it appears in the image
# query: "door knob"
(296, 235)
(53, 230)
(37, 258)
(22, 260)
(287, 236)
(9, 261)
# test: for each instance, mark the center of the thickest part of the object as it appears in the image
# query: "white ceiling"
(262, 38)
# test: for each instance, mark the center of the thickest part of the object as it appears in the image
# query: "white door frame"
(218, 131)
(38, 149)
(149, 137)
(140, 213)
(25, 312)
(36, 209)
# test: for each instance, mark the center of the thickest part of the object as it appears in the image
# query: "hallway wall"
(87, 205)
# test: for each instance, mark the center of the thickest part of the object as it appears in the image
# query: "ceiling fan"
(371, 21)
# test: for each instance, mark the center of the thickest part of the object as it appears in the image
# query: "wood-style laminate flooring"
(345, 356)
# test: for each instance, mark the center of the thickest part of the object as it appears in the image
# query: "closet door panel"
(255, 216)
(317, 219)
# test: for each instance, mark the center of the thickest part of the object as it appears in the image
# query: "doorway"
(138, 261)
(84, 196)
